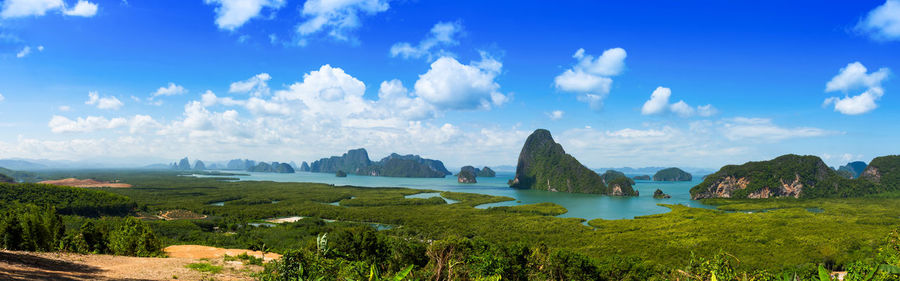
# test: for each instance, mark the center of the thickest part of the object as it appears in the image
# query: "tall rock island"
(544, 165)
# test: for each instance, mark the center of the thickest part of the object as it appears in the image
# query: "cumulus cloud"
(256, 85)
(394, 96)
(855, 77)
(450, 84)
(82, 9)
(2, 98)
(882, 23)
(169, 90)
(26, 8)
(64, 108)
(232, 14)
(336, 18)
(104, 102)
(556, 115)
(659, 104)
(590, 77)
(442, 34)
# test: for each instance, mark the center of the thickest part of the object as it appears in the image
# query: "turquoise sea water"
(586, 206)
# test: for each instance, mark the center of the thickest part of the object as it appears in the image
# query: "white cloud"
(256, 85)
(396, 98)
(104, 102)
(761, 129)
(590, 77)
(882, 23)
(556, 114)
(65, 108)
(452, 85)
(2, 98)
(169, 90)
(25, 8)
(442, 34)
(40, 48)
(60, 124)
(24, 52)
(231, 14)
(82, 9)
(855, 77)
(659, 104)
(336, 17)
(142, 124)
(706, 110)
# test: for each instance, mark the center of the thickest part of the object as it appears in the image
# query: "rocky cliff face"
(884, 171)
(466, 175)
(274, 167)
(544, 165)
(304, 167)
(354, 161)
(785, 176)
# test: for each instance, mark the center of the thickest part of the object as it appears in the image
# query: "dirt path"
(206, 252)
(15, 265)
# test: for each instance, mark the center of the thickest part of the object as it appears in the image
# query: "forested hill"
(797, 176)
(544, 165)
(67, 200)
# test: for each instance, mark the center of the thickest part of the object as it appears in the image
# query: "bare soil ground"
(16, 265)
(206, 252)
(180, 215)
(86, 183)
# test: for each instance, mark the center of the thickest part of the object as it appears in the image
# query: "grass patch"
(205, 267)
(544, 209)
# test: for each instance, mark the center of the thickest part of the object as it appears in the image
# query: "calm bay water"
(586, 206)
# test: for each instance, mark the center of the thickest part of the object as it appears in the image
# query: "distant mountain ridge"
(356, 161)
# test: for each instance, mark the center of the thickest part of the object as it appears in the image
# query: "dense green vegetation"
(40, 228)
(66, 200)
(761, 239)
(794, 175)
(885, 172)
(545, 209)
(672, 174)
(544, 165)
(642, 177)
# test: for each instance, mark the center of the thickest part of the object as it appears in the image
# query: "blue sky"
(693, 83)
